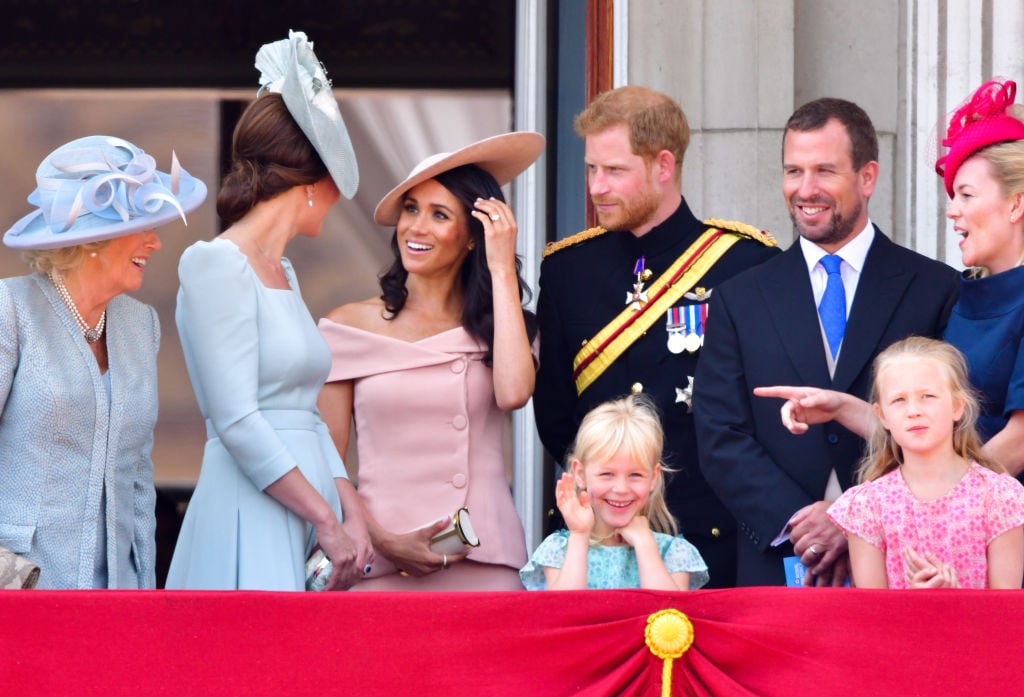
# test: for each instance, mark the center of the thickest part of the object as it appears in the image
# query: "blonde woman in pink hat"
(428, 370)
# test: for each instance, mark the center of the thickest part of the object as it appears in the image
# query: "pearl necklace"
(92, 335)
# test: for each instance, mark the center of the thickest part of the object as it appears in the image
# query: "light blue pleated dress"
(257, 363)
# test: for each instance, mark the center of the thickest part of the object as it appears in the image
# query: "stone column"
(950, 49)
(729, 63)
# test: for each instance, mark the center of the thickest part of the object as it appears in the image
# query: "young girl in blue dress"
(620, 533)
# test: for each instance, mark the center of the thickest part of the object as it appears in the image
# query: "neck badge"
(636, 297)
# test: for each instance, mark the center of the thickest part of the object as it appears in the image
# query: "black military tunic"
(583, 287)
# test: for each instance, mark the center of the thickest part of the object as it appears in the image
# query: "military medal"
(693, 328)
(637, 296)
(703, 322)
(676, 330)
(685, 394)
(700, 296)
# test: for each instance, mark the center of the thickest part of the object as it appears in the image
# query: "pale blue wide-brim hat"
(101, 187)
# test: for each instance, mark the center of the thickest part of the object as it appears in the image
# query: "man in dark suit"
(615, 276)
(792, 322)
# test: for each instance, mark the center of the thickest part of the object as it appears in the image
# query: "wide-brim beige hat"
(504, 157)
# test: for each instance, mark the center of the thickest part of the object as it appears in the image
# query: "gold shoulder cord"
(589, 233)
(763, 236)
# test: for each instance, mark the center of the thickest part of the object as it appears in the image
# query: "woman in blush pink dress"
(428, 370)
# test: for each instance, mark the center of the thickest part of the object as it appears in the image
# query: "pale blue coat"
(62, 444)
(257, 364)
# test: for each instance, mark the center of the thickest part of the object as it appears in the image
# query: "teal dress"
(257, 363)
(614, 566)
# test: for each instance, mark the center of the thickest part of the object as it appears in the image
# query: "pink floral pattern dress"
(957, 527)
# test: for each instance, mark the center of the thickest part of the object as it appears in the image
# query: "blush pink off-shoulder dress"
(430, 441)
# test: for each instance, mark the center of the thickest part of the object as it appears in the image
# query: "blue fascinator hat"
(100, 187)
(290, 68)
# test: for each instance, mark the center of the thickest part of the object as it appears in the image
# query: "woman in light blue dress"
(272, 485)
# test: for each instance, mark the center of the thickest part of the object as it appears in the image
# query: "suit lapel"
(880, 289)
(795, 317)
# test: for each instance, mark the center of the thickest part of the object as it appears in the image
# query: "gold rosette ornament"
(669, 633)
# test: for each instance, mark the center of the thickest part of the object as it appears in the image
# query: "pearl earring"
(310, 201)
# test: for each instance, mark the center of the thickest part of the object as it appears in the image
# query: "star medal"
(636, 297)
(676, 329)
(685, 394)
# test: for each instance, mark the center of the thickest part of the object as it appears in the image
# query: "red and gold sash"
(618, 335)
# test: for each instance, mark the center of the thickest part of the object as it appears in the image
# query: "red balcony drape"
(758, 641)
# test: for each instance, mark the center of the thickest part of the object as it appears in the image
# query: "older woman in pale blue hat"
(78, 365)
(272, 487)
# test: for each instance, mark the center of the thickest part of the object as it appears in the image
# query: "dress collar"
(991, 296)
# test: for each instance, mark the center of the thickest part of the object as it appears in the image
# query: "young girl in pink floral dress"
(933, 511)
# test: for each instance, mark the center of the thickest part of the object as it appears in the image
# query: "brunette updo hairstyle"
(269, 155)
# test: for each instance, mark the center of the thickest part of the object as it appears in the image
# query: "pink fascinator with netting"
(980, 122)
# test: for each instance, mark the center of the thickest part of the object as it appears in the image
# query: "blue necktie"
(832, 308)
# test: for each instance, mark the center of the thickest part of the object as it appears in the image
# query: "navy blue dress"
(987, 325)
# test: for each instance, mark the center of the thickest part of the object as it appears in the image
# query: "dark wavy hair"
(269, 155)
(467, 183)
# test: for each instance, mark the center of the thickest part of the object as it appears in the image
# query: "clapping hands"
(575, 507)
(579, 515)
(927, 571)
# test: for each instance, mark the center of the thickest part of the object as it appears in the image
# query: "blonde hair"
(632, 423)
(1006, 165)
(655, 121)
(883, 453)
(61, 260)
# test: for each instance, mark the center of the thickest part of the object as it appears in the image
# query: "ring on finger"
(495, 217)
(814, 551)
(444, 561)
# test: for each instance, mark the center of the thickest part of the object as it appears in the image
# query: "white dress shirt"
(853, 254)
